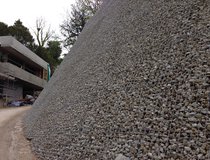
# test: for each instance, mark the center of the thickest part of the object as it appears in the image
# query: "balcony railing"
(14, 71)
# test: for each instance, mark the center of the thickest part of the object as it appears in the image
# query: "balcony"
(14, 71)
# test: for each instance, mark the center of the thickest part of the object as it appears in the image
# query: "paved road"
(13, 145)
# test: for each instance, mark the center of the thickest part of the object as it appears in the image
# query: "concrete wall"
(14, 71)
(1, 103)
(14, 91)
(8, 41)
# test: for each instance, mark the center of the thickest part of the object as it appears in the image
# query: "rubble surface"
(134, 84)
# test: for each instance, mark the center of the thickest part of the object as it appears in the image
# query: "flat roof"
(9, 41)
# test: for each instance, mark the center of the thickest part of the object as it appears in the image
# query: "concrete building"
(21, 71)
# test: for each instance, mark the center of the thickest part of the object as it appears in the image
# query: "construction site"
(135, 86)
(22, 72)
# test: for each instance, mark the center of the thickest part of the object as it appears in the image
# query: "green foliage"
(54, 48)
(51, 53)
(74, 23)
(4, 30)
(22, 34)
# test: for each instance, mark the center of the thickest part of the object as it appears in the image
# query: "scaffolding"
(6, 83)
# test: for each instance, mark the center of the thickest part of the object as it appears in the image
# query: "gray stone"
(132, 84)
(121, 157)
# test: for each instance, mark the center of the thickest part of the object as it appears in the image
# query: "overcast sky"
(53, 11)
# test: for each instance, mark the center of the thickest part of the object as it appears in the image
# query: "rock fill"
(134, 85)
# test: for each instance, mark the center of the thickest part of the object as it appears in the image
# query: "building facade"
(22, 72)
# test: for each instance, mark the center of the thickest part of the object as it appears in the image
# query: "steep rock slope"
(133, 84)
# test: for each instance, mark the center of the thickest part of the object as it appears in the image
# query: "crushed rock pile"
(133, 85)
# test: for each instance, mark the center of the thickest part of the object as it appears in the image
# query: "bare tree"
(42, 32)
(75, 20)
(91, 5)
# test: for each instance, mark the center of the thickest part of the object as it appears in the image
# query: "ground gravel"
(133, 86)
